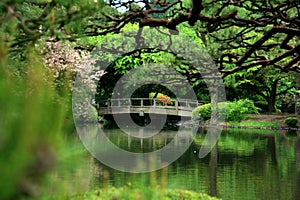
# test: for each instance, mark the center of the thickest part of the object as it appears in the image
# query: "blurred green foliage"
(34, 119)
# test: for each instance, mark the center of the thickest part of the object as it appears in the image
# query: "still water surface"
(245, 164)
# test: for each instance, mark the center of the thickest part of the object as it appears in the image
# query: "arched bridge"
(178, 107)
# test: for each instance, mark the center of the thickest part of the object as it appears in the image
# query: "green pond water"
(245, 164)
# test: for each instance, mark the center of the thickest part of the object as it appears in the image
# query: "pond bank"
(255, 127)
(260, 121)
(267, 119)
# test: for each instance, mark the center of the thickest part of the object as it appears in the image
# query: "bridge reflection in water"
(177, 107)
(120, 150)
(126, 141)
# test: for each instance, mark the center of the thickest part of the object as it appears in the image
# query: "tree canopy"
(253, 28)
(245, 33)
(241, 35)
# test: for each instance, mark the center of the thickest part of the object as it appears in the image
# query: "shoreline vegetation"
(260, 121)
(243, 113)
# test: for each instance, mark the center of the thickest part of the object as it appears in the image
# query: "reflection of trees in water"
(229, 172)
(297, 161)
(272, 148)
(213, 163)
(148, 144)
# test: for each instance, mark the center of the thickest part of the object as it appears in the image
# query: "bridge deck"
(179, 107)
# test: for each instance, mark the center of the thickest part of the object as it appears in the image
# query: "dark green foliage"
(291, 121)
(270, 88)
(263, 105)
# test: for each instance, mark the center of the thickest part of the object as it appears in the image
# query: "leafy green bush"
(235, 110)
(291, 121)
(204, 111)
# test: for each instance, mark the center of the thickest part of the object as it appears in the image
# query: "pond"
(245, 164)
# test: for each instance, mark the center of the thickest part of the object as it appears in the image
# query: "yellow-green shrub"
(235, 110)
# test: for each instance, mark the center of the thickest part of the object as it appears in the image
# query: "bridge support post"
(129, 141)
(141, 113)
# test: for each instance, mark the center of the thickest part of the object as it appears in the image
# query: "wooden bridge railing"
(185, 104)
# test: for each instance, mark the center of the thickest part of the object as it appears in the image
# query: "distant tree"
(268, 83)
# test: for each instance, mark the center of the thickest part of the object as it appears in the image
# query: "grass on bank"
(252, 123)
(253, 131)
(128, 193)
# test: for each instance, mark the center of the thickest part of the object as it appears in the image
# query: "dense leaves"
(256, 43)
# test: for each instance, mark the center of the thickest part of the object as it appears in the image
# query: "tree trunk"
(271, 104)
(214, 106)
(272, 98)
(297, 95)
